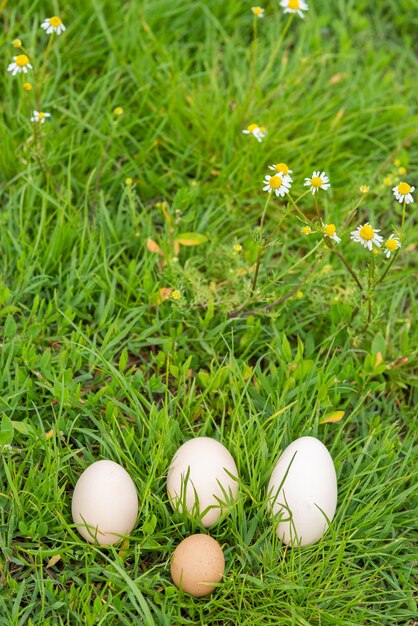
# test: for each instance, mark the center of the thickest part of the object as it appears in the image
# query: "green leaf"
(191, 239)
(6, 431)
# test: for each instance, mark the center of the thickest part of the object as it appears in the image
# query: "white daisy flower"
(403, 193)
(294, 6)
(258, 11)
(317, 181)
(391, 245)
(280, 185)
(53, 25)
(39, 116)
(257, 131)
(331, 232)
(282, 169)
(20, 64)
(366, 235)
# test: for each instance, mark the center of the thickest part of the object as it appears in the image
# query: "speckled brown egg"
(198, 562)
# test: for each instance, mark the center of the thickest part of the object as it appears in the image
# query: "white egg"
(203, 477)
(303, 489)
(105, 503)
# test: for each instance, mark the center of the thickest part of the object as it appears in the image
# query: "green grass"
(89, 353)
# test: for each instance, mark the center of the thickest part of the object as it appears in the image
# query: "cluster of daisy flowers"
(21, 63)
(280, 182)
(288, 6)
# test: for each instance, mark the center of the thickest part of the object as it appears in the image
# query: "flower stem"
(316, 207)
(261, 246)
(370, 293)
(298, 210)
(403, 217)
(345, 262)
(389, 265)
(275, 52)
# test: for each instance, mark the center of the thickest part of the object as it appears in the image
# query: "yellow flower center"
(263, 129)
(391, 244)
(281, 168)
(55, 21)
(330, 230)
(252, 127)
(257, 10)
(306, 230)
(275, 182)
(404, 188)
(316, 181)
(21, 60)
(41, 115)
(17, 43)
(27, 86)
(294, 4)
(364, 188)
(118, 111)
(366, 232)
(176, 294)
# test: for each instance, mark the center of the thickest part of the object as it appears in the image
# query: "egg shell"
(105, 503)
(309, 487)
(199, 476)
(197, 561)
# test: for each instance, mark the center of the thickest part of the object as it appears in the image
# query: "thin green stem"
(389, 265)
(261, 245)
(276, 51)
(403, 217)
(298, 210)
(351, 214)
(344, 262)
(370, 293)
(316, 207)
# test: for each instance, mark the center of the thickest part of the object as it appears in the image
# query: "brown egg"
(197, 561)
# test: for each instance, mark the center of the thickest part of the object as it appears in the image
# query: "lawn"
(132, 319)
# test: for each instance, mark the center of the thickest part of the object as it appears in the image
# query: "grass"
(94, 364)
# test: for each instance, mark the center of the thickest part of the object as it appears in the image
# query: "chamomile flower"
(237, 248)
(118, 111)
(176, 294)
(258, 11)
(39, 116)
(128, 181)
(366, 235)
(402, 171)
(27, 86)
(317, 181)
(306, 230)
(364, 188)
(403, 193)
(17, 43)
(282, 169)
(280, 186)
(387, 180)
(257, 131)
(330, 231)
(391, 245)
(20, 64)
(53, 25)
(294, 6)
